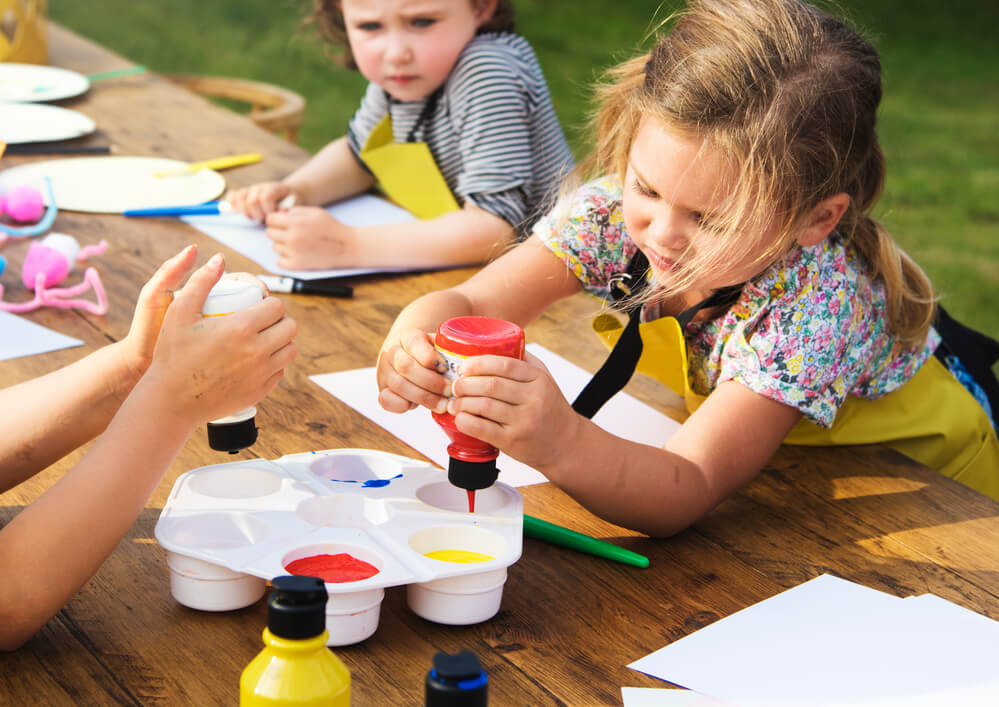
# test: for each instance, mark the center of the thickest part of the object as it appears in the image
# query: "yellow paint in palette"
(462, 556)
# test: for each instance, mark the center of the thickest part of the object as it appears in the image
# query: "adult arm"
(202, 369)
(47, 417)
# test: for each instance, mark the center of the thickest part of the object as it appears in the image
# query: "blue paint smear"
(368, 483)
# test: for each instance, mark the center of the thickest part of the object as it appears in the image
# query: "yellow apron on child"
(407, 173)
(931, 419)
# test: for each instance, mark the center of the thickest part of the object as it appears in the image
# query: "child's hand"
(409, 374)
(259, 200)
(154, 298)
(308, 238)
(514, 405)
(210, 367)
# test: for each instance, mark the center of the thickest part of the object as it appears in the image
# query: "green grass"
(937, 123)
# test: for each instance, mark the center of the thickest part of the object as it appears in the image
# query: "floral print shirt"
(806, 332)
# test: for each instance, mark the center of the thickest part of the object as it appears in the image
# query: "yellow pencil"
(217, 163)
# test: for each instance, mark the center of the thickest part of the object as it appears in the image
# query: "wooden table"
(569, 623)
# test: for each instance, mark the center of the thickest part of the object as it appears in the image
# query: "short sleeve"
(489, 107)
(807, 334)
(374, 107)
(587, 233)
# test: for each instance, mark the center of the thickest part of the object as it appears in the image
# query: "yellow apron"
(407, 173)
(931, 419)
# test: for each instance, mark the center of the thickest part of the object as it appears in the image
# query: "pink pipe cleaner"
(48, 263)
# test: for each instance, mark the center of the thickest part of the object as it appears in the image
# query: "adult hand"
(257, 201)
(150, 308)
(210, 367)
(514, 405)
(409, 373)
(308, 238)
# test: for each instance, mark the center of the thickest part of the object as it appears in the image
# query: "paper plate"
(29, 83)
(111, 185)
(33, 122)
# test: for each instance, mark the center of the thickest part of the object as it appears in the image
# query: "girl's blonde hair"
(329, 17)
(786, 95)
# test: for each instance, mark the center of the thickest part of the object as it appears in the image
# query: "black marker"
(33, 148)
(306, 287)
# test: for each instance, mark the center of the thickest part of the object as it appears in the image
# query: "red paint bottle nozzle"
(472, 463)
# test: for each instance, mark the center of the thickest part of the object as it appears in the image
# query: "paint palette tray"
(228, 528)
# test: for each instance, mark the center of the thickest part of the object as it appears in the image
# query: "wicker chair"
(271, 107)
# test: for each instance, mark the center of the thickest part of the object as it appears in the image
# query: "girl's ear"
(484, 10)
(824, 218)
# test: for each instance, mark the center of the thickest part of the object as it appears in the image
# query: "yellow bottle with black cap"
(295, 667)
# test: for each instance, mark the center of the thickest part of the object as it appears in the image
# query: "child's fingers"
(420, 346)
(279, 334)
(191, 300)
(504, 390)
(284, 356)
(426, 373)
(480, 427)
(415, 392)
(158, 290)
(501, 366)
(278, 219)
(261, 316)
(270, 198)
(393, 403)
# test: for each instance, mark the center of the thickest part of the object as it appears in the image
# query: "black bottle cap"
(232, 436)
(472, 476)
(297, 607)
(457, 681)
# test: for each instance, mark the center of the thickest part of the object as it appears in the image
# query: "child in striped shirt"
(447, 73)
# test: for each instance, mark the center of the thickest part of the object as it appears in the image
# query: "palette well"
(365, 519)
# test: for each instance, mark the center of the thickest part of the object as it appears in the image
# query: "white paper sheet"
(623, 415)
(654, 697)
(250, 238)
(832, 642)
(19, 337)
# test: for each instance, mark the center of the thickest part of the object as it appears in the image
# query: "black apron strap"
(976, 352)
(620, 365)
(428, 109)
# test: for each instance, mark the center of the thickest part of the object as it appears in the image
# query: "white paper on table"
(623, 415)
(657, 697)
(249, 237)
(19, 337)
(832, 642)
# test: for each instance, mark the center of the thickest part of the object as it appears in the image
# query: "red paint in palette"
(342, 567)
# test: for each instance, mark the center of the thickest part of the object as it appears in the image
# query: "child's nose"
(669, 231)
(397, 50)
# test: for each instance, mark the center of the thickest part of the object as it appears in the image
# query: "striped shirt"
(493, 133)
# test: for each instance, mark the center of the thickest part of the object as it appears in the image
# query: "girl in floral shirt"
(731, 224)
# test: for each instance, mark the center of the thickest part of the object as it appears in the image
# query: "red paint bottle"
(472, 463)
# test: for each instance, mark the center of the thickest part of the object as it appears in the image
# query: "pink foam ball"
(24, 203)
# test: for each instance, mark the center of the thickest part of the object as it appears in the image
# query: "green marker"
(557, 535)
(116, 73)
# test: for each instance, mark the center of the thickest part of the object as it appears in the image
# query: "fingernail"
(448, 391)
(216, 260)
(441, 406)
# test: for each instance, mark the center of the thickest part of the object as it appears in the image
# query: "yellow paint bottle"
(295, 668)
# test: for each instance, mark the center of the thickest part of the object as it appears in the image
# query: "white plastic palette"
(229, 527)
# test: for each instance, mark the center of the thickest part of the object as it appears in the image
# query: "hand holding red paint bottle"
(472, 463)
